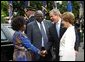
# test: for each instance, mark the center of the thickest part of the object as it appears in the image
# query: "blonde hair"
(55, 12)
(68, 17)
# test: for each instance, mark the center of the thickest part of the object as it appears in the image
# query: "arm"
(69, 40)
(27, 44)
(77, 43)
(17, 44)
(18, 47)
(29, 32)
(50, 39)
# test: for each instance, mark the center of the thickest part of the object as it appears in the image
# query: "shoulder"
(48, 21)
(31, 23)
(70, 31)
(17, 34)
(32, 18)
(52, 27)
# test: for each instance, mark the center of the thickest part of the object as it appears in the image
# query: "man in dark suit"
(35, 32)
(56, 31)
(30, 15)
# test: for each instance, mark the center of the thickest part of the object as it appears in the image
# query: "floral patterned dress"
(20, 52)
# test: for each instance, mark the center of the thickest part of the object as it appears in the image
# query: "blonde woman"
(67, 42)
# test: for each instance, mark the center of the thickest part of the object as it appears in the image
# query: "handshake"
(43, 53)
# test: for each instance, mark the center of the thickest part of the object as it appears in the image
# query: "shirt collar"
(59, 21)
(38, 22)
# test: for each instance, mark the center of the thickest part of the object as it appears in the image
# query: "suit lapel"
(37, 28)
(62, 30)
(46, 27)
(55, 31)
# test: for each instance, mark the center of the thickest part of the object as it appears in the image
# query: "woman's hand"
(76, 52)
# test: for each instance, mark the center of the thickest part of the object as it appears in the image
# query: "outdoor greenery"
(4, 10)
(18, 6)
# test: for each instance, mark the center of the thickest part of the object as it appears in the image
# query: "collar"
(39, 22)
(59, 21)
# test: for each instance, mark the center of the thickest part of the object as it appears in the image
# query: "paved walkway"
(80, 56)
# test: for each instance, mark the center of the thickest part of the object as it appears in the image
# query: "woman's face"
(65, 24)
(23, 28)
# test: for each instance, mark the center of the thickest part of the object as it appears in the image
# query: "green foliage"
(4, 7)
(37, 5)
(4, 10)
(62, 7)
(75, 7)
(18, 6)
(2, 19)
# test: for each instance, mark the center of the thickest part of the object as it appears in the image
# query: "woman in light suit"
(67, 42)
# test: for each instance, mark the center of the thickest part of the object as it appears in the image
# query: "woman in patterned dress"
(22, 45)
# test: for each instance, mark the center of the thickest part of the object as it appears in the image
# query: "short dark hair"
(17, 23)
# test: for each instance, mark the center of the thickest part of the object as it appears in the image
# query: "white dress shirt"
(40, 29)
(58, 27)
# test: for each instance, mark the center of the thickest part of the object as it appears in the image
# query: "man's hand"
(43, 53)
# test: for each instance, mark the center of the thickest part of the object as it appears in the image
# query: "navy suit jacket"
(53, 37)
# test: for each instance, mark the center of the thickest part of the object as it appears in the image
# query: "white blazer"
(67, 44)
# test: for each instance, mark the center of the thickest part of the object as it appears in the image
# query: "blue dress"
(21, 46)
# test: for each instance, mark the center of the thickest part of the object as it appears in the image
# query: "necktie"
(44, 36)
(58, 28)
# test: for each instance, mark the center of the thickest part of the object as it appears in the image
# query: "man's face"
(28, 13)
(39, 17)
(54, 18)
